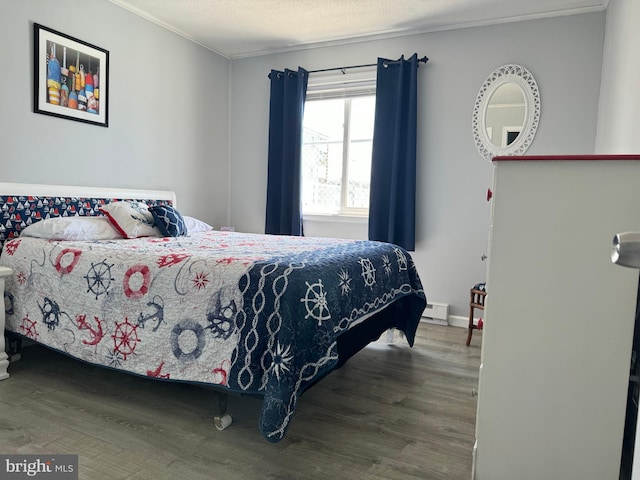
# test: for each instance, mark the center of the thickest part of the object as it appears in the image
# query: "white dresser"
(559, 319)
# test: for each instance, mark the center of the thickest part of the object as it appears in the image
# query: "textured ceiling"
(242, 28)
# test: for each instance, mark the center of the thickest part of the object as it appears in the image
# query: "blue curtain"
(392, 202)
(288, 93)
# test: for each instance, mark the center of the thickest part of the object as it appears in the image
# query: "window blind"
(342, 83)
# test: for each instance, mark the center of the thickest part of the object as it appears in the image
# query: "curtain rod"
(423, 60)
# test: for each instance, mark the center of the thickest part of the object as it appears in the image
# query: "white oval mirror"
(506, 113)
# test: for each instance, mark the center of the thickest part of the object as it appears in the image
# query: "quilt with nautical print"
(255, 314)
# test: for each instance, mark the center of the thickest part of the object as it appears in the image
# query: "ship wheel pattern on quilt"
(315, 301)
(29, 328)
(99, 278)
(125, 338)
(402, 259)
(368, 272)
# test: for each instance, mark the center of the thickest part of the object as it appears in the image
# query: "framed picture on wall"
(71, 77)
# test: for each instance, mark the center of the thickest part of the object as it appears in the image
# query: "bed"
(261, 315)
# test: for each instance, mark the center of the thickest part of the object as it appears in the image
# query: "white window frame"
(507, 130)
(346, 84)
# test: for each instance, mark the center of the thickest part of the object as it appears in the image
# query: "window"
(336, 145)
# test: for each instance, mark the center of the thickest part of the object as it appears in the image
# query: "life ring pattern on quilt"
(65, 265)
(136, 271)
(180, 340)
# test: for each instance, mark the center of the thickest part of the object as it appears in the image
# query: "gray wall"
(171, 124)
(168, 109)
(619, 113)
(565, 56)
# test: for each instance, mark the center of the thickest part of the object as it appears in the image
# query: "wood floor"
(391, 413)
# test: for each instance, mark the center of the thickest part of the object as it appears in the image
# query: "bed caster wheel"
(222, 422)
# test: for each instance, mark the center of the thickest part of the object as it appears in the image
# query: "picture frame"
(71, 77)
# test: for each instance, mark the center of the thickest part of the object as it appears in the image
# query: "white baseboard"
(434, 321)
(451, 321)
(463, 322)
(458, 321)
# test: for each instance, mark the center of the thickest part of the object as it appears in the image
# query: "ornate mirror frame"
(511, 73)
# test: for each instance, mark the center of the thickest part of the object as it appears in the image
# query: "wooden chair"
(477, 294)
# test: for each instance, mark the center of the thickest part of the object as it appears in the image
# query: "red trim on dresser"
(560, 158)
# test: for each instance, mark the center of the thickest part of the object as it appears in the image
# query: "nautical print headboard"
(23, 204)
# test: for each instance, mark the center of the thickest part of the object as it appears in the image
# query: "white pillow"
(194, 225)
(73, 228)
(131, 219)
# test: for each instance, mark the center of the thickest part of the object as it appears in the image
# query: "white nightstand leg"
(4, 363)
(4, 360)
